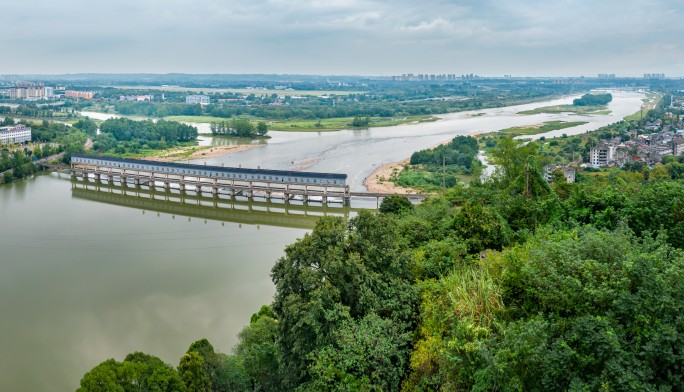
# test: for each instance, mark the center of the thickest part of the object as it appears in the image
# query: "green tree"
(261, 128)
(366, 355)
(102, 378)
(216, 366)
(193, 373)
(395, 204)
(336, 274)
(86, 125)
(258, 351)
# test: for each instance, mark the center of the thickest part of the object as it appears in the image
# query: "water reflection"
(207, 140)
(224, 209)
(86, 275)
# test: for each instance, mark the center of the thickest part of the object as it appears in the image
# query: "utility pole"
(527, 179)
(443, 173)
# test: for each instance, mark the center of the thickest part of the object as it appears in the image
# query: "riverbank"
(312, 125)
(199, 152)
(379, 181)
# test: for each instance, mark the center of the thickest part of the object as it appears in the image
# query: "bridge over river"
(220, 181)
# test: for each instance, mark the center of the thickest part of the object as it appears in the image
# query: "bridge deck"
(323, 193)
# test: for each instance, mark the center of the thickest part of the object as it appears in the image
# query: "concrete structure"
(15, 134)
(197, 99)
(568, 171)
(678, 146)
(602, 154)
(79, 94)
(231, 181)
(28, 91)
(136, 98)
(234, 182)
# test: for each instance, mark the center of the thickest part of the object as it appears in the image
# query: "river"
(359, 152)
(88, 275)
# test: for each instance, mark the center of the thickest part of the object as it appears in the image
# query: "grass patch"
(338, 123)
(306, 125)
(540, 128)
(581, 110)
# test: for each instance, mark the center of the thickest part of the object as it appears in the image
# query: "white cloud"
(314, 36)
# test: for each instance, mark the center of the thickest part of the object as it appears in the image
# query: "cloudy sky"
(360, 37)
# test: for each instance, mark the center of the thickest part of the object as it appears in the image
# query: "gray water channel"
(88, 275)
(359, 152)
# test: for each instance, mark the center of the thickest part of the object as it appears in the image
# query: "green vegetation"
(16, 164)
(336, 124)
(123, 136)
(380, 101)
(547, 126)
(581, 110)
(651, 101)
(586, 105)
(592, 100)
(435, 168)
(508, 284)
(239, 128)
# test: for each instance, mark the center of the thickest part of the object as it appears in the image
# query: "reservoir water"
(88, 275)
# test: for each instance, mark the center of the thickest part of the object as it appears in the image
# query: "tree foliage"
(593, 100)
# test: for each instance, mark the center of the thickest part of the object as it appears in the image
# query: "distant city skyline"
(345, 37)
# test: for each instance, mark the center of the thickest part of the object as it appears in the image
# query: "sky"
(344, 37)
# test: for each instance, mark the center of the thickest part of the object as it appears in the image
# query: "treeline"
(123, 136)
(124, 129)
(33, 110)
(19, 163)
(70, 140)
(593, 100)
(461, 151)
(511, 284)
(239, 128)
(381, 100)
(200, 369)
(433, 168)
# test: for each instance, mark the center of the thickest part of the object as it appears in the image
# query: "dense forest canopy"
(122, 135)
(593, 100)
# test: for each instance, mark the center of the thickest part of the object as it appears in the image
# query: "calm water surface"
(83, 280)
(87, 275)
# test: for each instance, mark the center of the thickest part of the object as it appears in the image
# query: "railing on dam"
(199, 183)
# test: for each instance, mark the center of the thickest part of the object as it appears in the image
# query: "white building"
(602, 154)
(197, 99)
(15, 134)
(568, 171)
(678, 146)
